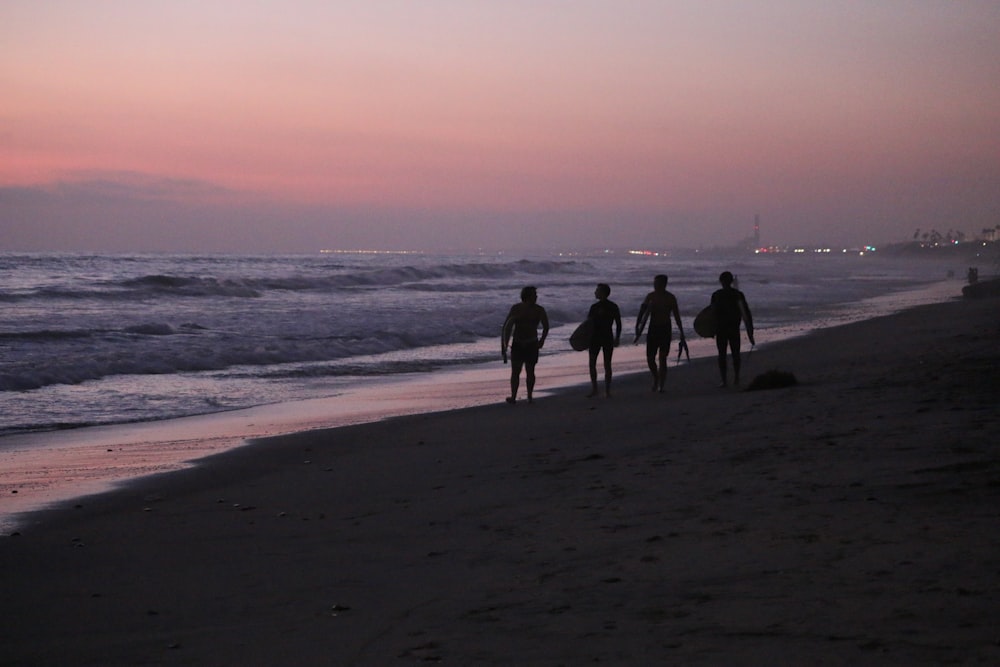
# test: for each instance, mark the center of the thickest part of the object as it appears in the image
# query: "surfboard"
(704, 323)
(579, 340)
(640, 326)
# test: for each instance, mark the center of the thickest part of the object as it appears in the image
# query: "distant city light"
(326, 251)
(647, 253)
(817, 250)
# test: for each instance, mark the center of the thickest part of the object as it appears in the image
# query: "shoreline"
(847, 520)
(49, 468)
(56, 468)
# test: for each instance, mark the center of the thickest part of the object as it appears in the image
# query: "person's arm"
(638, 319)
(505, 331)
(618, 325)
(677, 319)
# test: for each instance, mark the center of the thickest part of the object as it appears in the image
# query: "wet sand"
(851, 519)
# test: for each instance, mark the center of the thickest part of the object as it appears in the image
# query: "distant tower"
(756, 231)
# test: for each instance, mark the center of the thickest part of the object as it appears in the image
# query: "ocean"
(113, 367)
(104, 339)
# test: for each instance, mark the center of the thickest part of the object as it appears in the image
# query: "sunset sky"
(294, 125)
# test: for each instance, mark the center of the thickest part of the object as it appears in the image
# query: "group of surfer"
(603, 328)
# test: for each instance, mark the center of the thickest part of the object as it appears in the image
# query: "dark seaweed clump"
(773, 379)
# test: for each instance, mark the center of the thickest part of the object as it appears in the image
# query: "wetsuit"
(730, 306)
(604, 314)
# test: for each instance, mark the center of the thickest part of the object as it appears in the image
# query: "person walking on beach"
(658, 307)
(520, 333)
(604, 314)
(730, 308)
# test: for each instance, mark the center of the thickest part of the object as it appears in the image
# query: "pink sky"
(456, 124)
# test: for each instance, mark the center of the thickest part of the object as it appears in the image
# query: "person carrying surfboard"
(520, 333)
(657, 308)
(730, 308)
(604, 314)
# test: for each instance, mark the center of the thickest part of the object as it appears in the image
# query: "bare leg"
(515, 380)
(529, 380)
(593, 374)
(651, 362)
(607, 371)
(734, 345)
(720, 345)
(662, 371)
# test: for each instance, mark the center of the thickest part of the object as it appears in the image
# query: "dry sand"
(852, 519)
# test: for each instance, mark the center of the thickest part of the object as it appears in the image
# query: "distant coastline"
(981, 251)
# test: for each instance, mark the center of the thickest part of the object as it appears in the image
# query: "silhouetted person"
(661, 305)
(731, 309)
(520, 332)
(604, 314)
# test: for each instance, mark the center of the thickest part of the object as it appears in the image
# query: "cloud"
(131, 185)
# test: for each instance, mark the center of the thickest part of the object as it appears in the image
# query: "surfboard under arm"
(640, 321)
(704, 322)
(580, 340)
(505, 332)
(745, 314)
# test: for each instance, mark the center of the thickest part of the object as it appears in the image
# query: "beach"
(850, 519)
